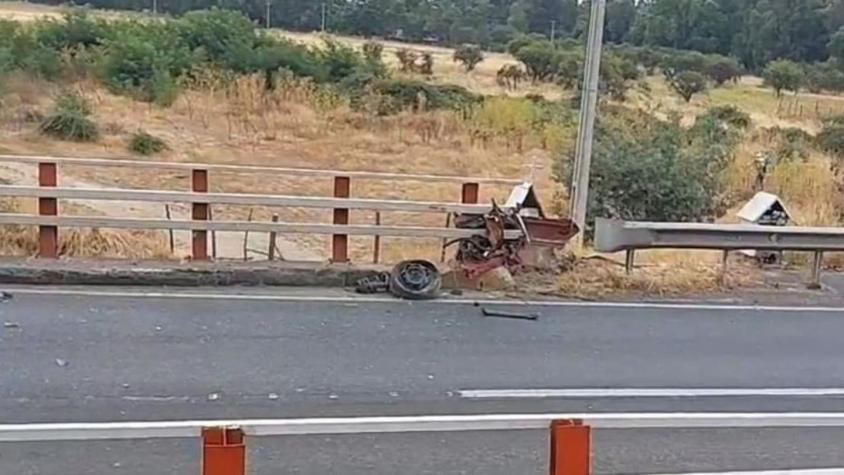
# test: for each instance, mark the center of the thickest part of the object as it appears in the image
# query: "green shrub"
(645, 169)
(402, 94)
(143, 143)
(468, 55)
(70, 120)
(721, 69)
(784, 75)
(688, 83)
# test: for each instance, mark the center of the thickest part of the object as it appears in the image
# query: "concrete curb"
(176, 274)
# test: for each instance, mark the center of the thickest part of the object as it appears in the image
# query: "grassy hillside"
(301, 123)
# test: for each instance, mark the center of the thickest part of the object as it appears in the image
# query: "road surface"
(78, 358)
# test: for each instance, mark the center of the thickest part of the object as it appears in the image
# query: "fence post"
(376, 251)
(340, 242)
(223, 452)
(570, 448)
(817, 264)
(199, 184)
(469, 194)
(48, 236)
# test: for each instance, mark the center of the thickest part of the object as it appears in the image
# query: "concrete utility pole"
(154, 7)
(269, 8)
(589, 103)
(323, 17)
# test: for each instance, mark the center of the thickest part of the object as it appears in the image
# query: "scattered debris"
(158, 328)
(481, 253)
(394, 394)
(61, 363)
(213, 396)
(272, 396)
(5, 297)
(517, 316)
(125, 385)
(333, 396)
(11, 325)
(415, 280)
(373, 284)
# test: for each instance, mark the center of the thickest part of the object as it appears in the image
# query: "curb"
(174, 274)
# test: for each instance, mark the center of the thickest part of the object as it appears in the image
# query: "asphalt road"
(83, 359)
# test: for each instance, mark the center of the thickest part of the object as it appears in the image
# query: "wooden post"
(376, 252)
(272, 249)
(199, 184)
(340, 242)
(570, 448)
(223, 452)
(170, 231)
(470, 193)
(48, 236)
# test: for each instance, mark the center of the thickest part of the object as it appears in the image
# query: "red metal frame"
(223, 452)
(340, 242)
(571, 442)
(48, 236)
(199, 212)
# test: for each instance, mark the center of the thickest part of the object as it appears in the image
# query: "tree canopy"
(755, 32)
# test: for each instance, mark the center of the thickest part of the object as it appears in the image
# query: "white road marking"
(822, 471)
(645, 393)
(388, 300)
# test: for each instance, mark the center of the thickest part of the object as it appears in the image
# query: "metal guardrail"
(200, 200)
(254, 169)
(224, 441)
(241, 226)
(248, 199)
(614, 236)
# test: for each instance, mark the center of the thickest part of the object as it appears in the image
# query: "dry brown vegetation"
(302, 125)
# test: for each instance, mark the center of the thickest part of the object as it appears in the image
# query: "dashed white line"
(646, 393)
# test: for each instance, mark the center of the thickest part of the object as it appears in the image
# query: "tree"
(836, 47)
(784, 75)
(688, 83)
(721, 69)
(469, 56)
(540, 60)
(645, 169)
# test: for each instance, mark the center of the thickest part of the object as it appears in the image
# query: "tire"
(415, 280)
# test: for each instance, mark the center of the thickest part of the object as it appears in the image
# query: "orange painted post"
(469, 194)
(199, 212)
(48, 236)
(570, 448)
(340, 242)
(223, 452)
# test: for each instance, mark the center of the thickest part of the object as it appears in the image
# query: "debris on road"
(481, 253)
(373, 284)
(61, 363)
(5, 297)
(11, 325)
(513, 315)
(213, 396)
(415, 280)
(411, 280)
(272, 396)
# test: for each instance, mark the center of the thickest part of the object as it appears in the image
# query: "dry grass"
(659, 274)
(301, 125)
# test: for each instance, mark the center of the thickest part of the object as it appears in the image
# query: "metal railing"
(200, 199)
(224, 441)
(615, 235)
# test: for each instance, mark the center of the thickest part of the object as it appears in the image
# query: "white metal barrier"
(570, 433)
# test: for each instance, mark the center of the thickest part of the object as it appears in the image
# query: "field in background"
(298, 126)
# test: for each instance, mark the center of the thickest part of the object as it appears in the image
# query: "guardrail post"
(470, 193)
(199, 212)
(817, 263)
(629, 261)
(223, 452)
(48, 236)
(340, 242)
(571, 442)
